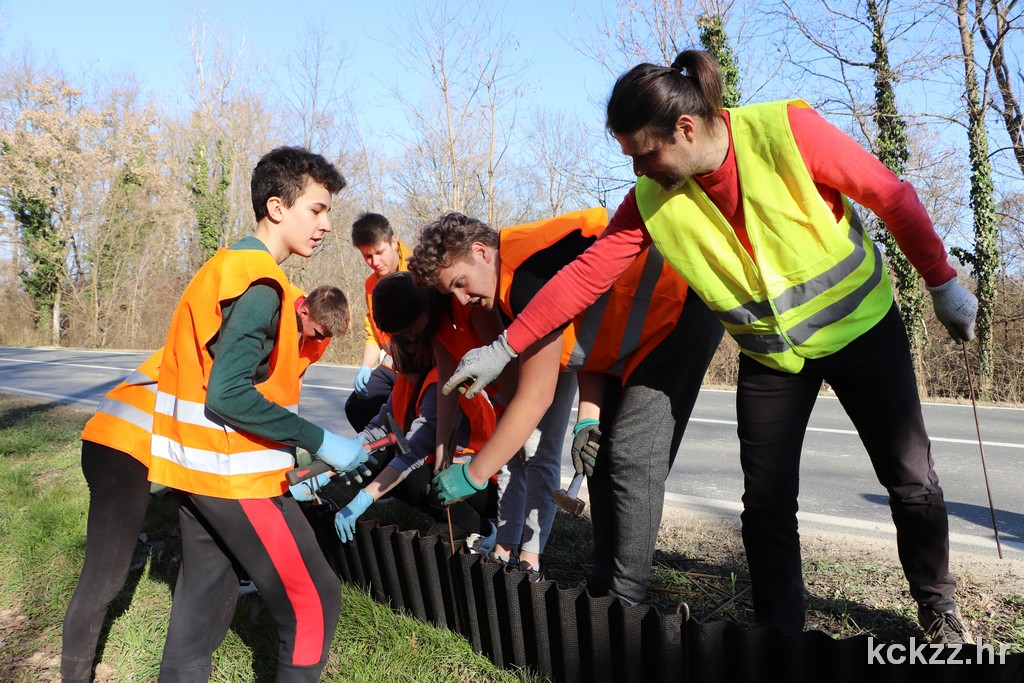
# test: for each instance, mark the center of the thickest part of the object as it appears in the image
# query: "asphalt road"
(838, 488)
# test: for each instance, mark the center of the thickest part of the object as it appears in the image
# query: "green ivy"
(714, 39)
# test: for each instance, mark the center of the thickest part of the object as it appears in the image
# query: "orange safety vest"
(124, 418)
(382, 338)
(618, 330)
(478, 410)
(193, 449)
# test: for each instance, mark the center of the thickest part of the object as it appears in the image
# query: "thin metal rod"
(981, 448)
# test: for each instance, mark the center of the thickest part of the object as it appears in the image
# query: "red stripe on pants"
(277, 538)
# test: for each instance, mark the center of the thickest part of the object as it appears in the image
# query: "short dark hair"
(370, 229)
(328, 307)
(445, 241)
(285, 172)
(653, 97)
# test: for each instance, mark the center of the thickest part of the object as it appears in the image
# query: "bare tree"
(1005, 22)
(462, 124)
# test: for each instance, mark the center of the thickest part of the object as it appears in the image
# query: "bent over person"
(752, 207)
(640, 354)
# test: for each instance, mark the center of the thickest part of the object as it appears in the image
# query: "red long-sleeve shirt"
(837, 164)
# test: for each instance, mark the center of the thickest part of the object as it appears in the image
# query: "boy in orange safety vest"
(115, 462)
(225, 429)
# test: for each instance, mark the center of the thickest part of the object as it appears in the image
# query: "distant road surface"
(838, 490)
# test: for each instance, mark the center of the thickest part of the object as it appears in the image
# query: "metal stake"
(981, 448)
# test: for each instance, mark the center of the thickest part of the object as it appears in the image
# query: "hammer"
(568, 500)
(395, 437)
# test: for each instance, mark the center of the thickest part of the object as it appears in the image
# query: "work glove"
(345, 520)
(482, 366)
(956, 308)
(305, 491)
(454, 484)
(341, 453)
(586, 440)
(362, 379)
(360, 471)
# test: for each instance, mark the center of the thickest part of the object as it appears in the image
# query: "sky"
(144, 38)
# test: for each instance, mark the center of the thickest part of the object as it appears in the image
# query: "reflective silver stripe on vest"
(586, 334)
(193, 413)
(799, 294)
(632, 335)
(127, 412)
(802, 331)
(211, 462)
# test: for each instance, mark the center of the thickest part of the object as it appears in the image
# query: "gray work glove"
(956, 308)
(586, 440)
(481, 366)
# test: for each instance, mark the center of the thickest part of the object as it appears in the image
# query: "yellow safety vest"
(812, 286)
(193, 449)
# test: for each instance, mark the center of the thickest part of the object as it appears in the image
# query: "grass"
(853, 588)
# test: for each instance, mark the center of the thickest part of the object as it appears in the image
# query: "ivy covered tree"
(44, 248)
(714, 39)
(208, 186)
(892, 150)
(984, 260)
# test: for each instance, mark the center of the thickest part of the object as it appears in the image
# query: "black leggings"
(118, 497)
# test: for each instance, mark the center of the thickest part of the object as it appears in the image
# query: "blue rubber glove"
(454, 484)
(345, 520)
(362, 378)
(586, 440)
(305, 491)
(341, 453)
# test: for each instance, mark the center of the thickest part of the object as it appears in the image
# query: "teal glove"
(956, 309)
(586, 440)
(481, 367)
(362, 379)
(454, 484)
(341, 453)
(305, 491)
(345, 520)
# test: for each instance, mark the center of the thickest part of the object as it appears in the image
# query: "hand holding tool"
(586, 440)
(569, 500)
(956, 309)
(396, 438)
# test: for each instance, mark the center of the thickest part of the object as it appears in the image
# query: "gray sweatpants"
(643, 424)
(525, 508)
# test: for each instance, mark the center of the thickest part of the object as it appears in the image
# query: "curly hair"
(445, 241)
(285, 172)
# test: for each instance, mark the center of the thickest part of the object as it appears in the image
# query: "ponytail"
(654, 97)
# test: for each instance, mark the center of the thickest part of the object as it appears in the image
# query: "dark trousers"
(361, 409)
(643, 424)
(873, 378)
(118, 497)
(270, 540)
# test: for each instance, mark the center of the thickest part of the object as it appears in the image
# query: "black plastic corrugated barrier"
(569, 636)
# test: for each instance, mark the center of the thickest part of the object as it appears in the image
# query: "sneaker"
(944, 627)
(483, 545)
